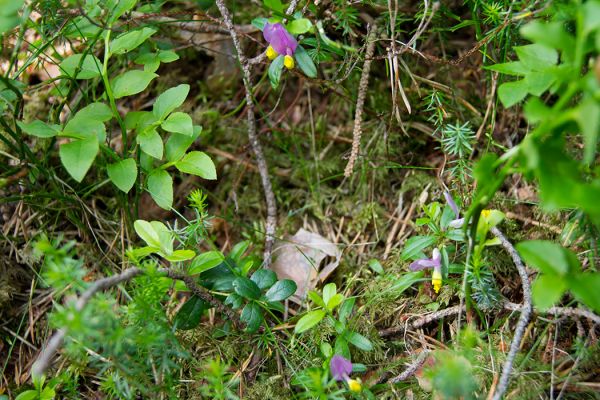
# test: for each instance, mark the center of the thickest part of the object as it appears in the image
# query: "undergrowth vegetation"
(211, 199)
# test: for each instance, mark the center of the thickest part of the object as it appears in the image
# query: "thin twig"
(424, 320)
(523, 320)
(252, 136)
(360, 101)
(411, 369)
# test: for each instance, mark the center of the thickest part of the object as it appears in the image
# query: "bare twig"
(560, 312)
(360, 101)
(523, 320)
(411, 369)
(420, 322)
(252, 136)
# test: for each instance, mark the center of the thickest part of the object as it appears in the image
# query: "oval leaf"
(123, 174)
(309, 320)
(197, 163)
(281, 290)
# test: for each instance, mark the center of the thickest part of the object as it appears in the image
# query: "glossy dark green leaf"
(281, 290)
(264, 278)
(252, 316)
(189, 315)
(246, 288)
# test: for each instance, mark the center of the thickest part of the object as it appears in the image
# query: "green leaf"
(548, 257)
(131, 82)
(234, 300)
(314, 296)
(120, 8)
(510, 68)
(28, 394)
(299, 26)
(252, 316)
(281, 290)
(346, 309)
(130, 40)
(177, 145)
(96, 112)
(89, 68)
(160, 187)
(205, 261)
(413, 249)
(146, 231)
(360, 341)
(591, 16)
(264, 278)
(405, 281)
(536, 57)
(9, 16)
(275, 70)
(167, 56)
(552, 34)
(341, 347)
(259, 23)
(78, 155)
(123, 174)
(246, 288)
(39, 128)
(335, 301)
(329, 291)
(170, 100)
(180, 255)
(587, 115)
(585, 288)
(376, 266)
(151, 143)
(197, 163)
(179, 122)
(305, 63)
(510, 93)
(275, 5)
(547, 290)
(309, 320)
(189, 315)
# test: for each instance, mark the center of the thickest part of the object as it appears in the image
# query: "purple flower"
(458, 222)
(280, 39)
(433, 262)
(340, 367)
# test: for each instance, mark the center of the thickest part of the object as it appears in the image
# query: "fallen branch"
(360, 101)
(523, 320)
(411, 369)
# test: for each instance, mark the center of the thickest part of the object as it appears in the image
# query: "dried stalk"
(360, 101)
(411, 369)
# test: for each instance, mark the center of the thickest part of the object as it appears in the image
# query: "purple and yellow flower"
(434, 262)
(458, 222)
(281, 42)
(341, 368)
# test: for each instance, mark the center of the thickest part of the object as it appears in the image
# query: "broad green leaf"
(177, 145)
(131, 82)
(180, 255)
(165, 236)
(587, 115)
(259, 23)
(329, 291)
(314, 296)
(539, 82)
(547, 290)
(39, 128)
(586, 289)
(305, 63)
(84, 128)
(281, 290)
(341, 347)
(146, 231)
(167, 56)
(413, 249)
(275, 70)
(123, 174)
(335, 301)
(189, 315)
(309, 320)
(9, 17)
(591, 16)
(252, 316)
(130, 40)
(275, 5)
(246, 288)
(205, 261)
(346, 309)
(264, 278)
(160, 187)
(89, 68)
(120, 8)
(405, 281)
(170, 100)
(548, 257)
(360, 341)
(536, 110)
(238, 250)
(197, 163)
(234, 300)
(510, 93)
(28, 394)
(376, 266)
(179, 122)
(551, 34)
(96, 112)
(536, 57)
(510, 68)
(78, 155)
(299, 26)
(151, 143)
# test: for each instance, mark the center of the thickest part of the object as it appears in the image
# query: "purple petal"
(457, 223)
(340, 367)
(436, 257)
(280, 39)
(452, 204)
(423, 263)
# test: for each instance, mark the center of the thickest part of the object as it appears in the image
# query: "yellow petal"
(354, 385)
(436, 280)
(271, 53)
(288, 61)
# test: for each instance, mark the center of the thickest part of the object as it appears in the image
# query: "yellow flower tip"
(354, 385)
(271, 53)
(485, 213)
(436, 280)
(288, 61)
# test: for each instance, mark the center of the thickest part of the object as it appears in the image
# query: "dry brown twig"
(411, 369)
